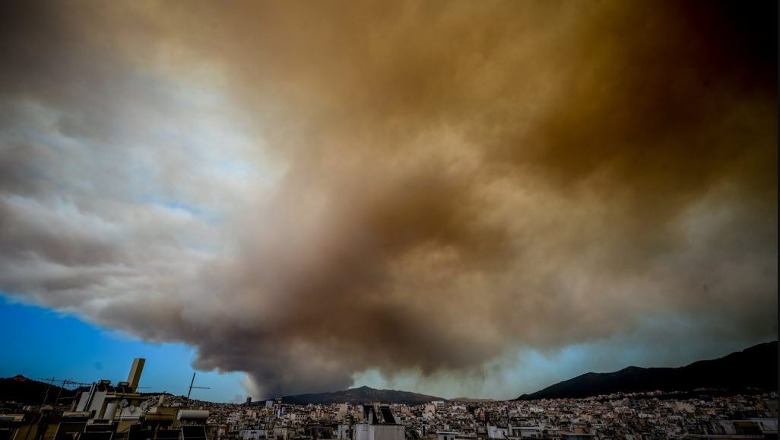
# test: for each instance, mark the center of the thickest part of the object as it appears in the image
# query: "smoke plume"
(308, 191)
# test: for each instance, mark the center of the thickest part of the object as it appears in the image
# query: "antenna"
(46, 394)
(64, 383)
(192, 385)
(69, 382)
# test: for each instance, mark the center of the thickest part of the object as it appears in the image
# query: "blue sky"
(40, 343)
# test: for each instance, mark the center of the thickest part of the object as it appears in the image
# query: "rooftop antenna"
(48, 386)
(192, 385)
(63, 384)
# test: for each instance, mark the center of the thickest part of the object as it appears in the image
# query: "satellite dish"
(123, 403)
(131, 409)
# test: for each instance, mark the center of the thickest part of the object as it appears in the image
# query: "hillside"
(753, 368)
(28, 391)
(361, 395)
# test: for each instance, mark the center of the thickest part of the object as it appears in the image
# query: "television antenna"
(192, 385)
(64, 383)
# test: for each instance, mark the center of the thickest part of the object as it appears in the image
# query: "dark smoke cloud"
(306, 192)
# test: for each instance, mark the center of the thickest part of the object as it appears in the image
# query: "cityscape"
(106, 411)
(388, 219)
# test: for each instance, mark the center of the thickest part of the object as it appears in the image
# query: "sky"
(456, 198)
(45, 345)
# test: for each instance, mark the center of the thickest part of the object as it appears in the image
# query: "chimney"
(135, 373)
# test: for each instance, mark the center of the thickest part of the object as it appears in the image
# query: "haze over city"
(453, 198)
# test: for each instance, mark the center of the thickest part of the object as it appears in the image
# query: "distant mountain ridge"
(752, 368)
(21, 389)
(360, 395)
(747, 370)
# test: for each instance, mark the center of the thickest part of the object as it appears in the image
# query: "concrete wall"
(387, 432)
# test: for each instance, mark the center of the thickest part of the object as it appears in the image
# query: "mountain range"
(755, 368)
(747, 370)
(361, 395)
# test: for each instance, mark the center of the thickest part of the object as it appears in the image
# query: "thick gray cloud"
(308, 193)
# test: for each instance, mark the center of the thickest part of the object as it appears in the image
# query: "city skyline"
(456, 199)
